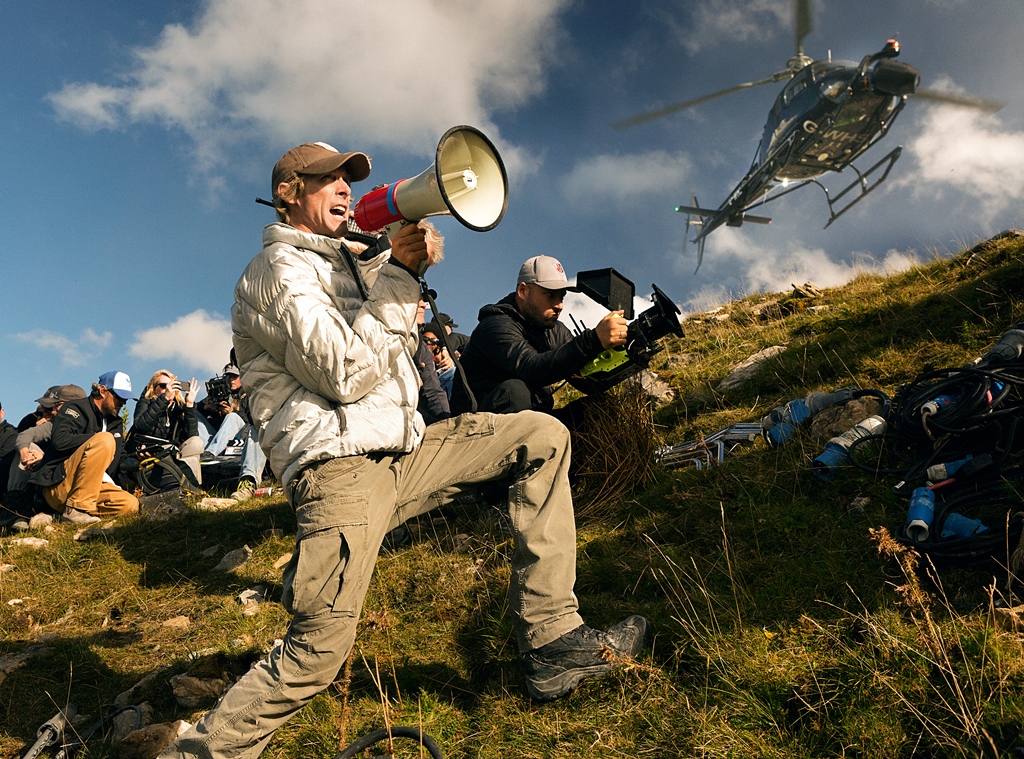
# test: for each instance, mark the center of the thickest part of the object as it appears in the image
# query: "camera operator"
(222, 413)
(519, 348)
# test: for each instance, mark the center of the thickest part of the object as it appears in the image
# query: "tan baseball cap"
(315, 158)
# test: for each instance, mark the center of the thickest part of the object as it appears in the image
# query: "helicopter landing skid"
(861, 182)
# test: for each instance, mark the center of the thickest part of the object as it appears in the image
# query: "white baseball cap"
(546, 272)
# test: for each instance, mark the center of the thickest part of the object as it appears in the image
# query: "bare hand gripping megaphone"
(467, 180)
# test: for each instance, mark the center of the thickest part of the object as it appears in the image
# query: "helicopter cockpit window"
(833, 89)
(793, 89)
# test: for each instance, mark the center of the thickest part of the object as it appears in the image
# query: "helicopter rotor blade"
(949, 98)
(802, 23)
(643, 118)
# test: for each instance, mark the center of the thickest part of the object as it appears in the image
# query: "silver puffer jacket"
(327, 373)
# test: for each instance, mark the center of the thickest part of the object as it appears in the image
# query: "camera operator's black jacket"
(75, 423)
(153, 416)
(505, 346)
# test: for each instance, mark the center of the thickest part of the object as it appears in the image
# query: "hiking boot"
(246, 489)
(556, 669)
(74, 516)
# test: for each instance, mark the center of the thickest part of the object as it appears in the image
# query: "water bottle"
(959, 526)
(940, 472)
(837, 450)
(920, 514)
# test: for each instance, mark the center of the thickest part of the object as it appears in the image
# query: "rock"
(18, 659)
(768, 310)
(191, 692)
(1009, 618)
(30, 542)
(129, 721)
(745, 370)
(233, 559)
(91, 533)
(858, 505)
(149, 741)
(282, 560)
(163, 506)
(680, 359)
(208, 552)
(836, 420)
(657, 389)
(126, 697)
(39, 520)
(806, 290)
(216, 504)
(178, 623)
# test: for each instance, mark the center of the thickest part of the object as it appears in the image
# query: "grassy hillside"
(785, 623)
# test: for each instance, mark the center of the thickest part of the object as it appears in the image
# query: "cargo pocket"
(473, 426)
(322, 577)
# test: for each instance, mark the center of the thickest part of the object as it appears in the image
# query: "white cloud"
(969, 153)
(198, 340)
(743, 267)
(72, 352)
(604, 179)
(716, 21)
(394, 74)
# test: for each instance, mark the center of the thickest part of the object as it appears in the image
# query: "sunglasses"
(431, 341)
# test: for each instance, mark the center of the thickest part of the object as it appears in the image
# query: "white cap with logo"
(546, 272)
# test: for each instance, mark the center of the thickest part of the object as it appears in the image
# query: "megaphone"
(467, 180)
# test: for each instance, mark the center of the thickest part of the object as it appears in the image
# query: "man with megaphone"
(324, 331)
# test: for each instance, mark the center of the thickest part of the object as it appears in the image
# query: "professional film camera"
(615, 292)
(218, 389)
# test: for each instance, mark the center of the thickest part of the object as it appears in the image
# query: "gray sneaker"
(75, 516)
(556, 669)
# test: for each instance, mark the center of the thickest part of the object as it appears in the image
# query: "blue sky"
(135, 137)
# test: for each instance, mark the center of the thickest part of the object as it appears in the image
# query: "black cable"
(398, 731)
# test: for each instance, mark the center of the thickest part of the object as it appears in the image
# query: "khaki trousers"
(345, 506)
(83, 487)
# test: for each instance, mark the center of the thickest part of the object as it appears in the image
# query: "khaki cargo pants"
(345, 506)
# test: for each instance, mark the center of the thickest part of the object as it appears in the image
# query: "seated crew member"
(30, 445)
(164, 412)
(77, 469)
(324, 338)
(519, 348)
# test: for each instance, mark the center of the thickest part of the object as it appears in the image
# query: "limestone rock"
(191, 692)
(149, 741)
(836, 420)
(233, 559)
(745, 370)
(129, 721)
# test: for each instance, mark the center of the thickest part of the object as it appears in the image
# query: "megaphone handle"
(425, 294)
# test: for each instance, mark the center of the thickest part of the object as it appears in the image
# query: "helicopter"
(826, 116)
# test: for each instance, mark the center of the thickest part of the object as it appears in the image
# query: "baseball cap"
(315, 158)
(51, 397)
(70, 393)
(446, 321)
(231, 369)
(119, 383)
(546, 272)
(60, 394)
